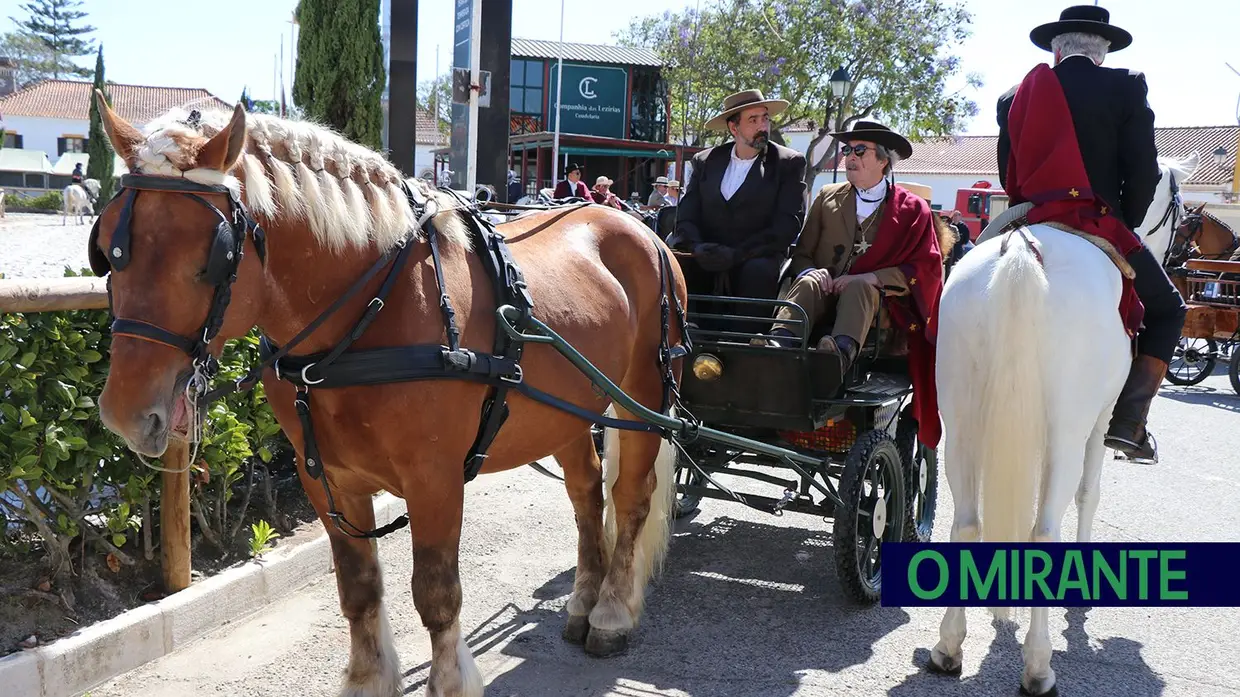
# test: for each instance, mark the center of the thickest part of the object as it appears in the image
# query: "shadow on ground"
(1115, 668)
(741, 608)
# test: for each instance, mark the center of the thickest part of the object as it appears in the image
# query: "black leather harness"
(340, 367)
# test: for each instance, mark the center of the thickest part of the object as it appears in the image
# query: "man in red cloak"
(1077, 141)
(867, 242)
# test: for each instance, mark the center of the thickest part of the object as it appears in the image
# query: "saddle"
(1014, 218)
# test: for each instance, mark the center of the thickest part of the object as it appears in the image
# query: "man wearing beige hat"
(743, 205)
(658, 197)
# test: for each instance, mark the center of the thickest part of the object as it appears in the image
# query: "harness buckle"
(373, 301)
(517, 377)
(305, 379)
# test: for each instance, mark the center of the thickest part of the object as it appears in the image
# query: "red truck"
(979, 204)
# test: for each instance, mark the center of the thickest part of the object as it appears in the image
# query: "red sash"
(907, 239)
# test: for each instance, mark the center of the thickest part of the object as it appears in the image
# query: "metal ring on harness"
(306, 379)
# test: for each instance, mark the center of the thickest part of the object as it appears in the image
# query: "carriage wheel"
(1233, 368)
(921, 482)
(686, 504)
(1193, 361)
(872, 491)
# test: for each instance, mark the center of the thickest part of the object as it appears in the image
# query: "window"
(648, 120)
(12, 140)
(526, 87)
(71, 144)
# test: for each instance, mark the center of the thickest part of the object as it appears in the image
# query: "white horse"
(76, 200)
(1032, 356)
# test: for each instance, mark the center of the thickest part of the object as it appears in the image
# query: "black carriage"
(861, 463)
(824, 442)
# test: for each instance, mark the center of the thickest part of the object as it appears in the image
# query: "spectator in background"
(658, 197)
(514, 187)
(602, 193)
(673, 193)
(572, 186)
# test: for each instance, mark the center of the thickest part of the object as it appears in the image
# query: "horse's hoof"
(603, 643)
(943, 664)
(1053, 692)
(576, 629)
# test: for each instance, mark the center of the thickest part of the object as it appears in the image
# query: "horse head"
(1162, 218)
(171, 243)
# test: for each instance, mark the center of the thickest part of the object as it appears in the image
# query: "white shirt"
(735, 175)
(874, 194)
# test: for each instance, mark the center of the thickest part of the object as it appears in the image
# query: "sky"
(224, 45)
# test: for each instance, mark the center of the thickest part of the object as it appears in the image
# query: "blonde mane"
(298, 170)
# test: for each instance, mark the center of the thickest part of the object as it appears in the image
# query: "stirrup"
(1126, 449)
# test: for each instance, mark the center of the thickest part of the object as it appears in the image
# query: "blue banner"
(1067, 574)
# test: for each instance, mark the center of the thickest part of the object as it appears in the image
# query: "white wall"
(41, 133)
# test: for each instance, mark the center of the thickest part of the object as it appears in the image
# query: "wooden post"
(174, 517)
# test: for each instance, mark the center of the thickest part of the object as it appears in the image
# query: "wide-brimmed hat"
(740, 101)
(660, 181)
(673, 184)
(603, 181)
(876, 132)
(1089, 19)
(572, 166)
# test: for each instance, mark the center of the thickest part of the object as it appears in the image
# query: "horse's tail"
(1010, 416)
(650, 548)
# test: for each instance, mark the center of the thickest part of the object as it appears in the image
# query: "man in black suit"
(1114, 127)
(743, 207)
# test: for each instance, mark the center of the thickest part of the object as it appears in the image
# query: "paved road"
(749, 605)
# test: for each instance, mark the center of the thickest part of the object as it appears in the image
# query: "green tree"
(99, 166)
(30, 58)
(436, 96)
(897, 53)
(52, 24)
(340, 75)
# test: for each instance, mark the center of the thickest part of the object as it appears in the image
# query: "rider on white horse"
(1108, 195)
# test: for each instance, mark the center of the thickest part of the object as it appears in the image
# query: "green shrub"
(50, 201)
(62, 473)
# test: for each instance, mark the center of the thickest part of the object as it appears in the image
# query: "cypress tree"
(340, 75)
(99, 166)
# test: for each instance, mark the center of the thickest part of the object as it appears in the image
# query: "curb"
(99, 652)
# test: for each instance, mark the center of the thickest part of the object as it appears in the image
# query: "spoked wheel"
(1233, 368)
(686, 504)
(872, 491)
(921, 482)
(1193, 361)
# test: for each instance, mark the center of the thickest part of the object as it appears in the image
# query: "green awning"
(663, 153)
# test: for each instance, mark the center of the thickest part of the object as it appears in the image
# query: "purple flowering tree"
(898, 53)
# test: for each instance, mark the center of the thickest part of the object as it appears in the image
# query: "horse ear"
(124, 137)
(221, 152)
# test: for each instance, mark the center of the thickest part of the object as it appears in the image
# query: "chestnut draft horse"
(331, 212)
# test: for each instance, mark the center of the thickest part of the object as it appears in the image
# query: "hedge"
(50, 201)
(62, 473)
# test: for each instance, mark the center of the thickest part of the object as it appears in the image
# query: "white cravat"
(868, 200)
(735, 175)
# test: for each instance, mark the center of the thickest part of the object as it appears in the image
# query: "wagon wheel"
(1233, 368)
(1193, 361)
(686, 504)
(872, 491)
(921, 482)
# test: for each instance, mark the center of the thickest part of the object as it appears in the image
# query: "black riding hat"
(876, 132)
(1088, 19)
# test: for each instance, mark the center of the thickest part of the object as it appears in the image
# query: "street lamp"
(840, 80)
(1220, 157)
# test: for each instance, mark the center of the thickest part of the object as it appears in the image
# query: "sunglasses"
(859, 149)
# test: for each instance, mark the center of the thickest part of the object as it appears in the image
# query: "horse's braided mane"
(349, 195)
(1219, 222)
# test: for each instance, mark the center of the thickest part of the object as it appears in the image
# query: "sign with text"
(1068, 574)
(463, 30)
(592, 101)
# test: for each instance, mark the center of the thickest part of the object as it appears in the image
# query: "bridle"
(1194, 224)
(1174, 208)
(227, 250)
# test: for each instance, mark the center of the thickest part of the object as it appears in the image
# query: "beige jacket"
(830, 233)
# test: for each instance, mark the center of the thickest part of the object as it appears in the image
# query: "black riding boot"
(1164, 320)
(1128, 433)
